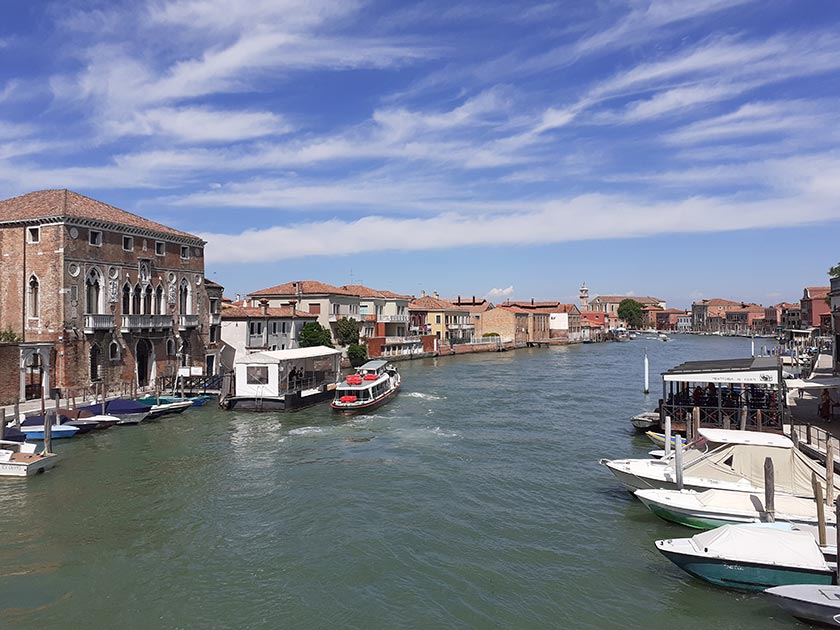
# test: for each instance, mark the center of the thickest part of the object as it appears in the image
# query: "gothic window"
(34, 305)
(126, 299)
(93, 292)
(159, 301)
(135, 300)
(147, 300)
(114, 351)
(170, 347)
(184, 302)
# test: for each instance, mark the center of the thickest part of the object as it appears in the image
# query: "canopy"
(764, 370)
(730, 436)
(278, 356)
(766, 545)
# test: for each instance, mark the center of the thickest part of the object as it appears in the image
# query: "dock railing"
(813, 441)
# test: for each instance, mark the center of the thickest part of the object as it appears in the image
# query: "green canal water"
(474, 500)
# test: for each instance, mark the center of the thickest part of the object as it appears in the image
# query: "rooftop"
(49, 204)
(303, 287)
(248, 312)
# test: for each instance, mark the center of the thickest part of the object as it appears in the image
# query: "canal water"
(474, 500)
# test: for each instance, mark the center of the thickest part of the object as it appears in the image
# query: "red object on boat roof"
(354, 379)
(371, 377)
(347, 399)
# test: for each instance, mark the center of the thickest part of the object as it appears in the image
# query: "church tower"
(584, 298)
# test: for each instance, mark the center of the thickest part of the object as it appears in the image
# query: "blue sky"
(683, 149)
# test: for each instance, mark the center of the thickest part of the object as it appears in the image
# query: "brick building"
(814, 305)
(98, 294)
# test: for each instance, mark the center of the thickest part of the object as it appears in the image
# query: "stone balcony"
(98, 321)
(145, 322)
(395, 319)
(187, 322)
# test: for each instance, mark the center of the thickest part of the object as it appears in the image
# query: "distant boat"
(750, 558)
(819, 603)
(645, 420)
(195, 401)
(57, 431)
(20, 459)
(373, 384)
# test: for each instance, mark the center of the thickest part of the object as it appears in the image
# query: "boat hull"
(807, 609)
(289, 402)
(695, 520)
(27, 469)
(741, 575)
(57, 432)
(351, 409)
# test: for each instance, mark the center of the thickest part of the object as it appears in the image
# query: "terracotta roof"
(66, 203)
(472, 301)
(641, 299)
(246, 312)
(817, 292)
(396, 296)
(514, 309)
(718, 302)
(306, 287)
(210, 283)
(362, 291)
(428, 303)
(672, 311)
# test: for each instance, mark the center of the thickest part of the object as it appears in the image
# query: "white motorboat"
(749, 557)
(726, 460)
(811, 602)
(714, 508)
(645, 421)
(21, 459)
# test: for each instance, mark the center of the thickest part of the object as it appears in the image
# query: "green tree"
(357, 354)
(313, 334)
(9, 336)
(631, 312)
(834, 271)
(347, 331)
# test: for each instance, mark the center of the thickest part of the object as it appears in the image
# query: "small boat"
(664, 337)
(20, 459)
(715, 508)
(750, 557)
(810, 602)
(128, 411)
(165, 409)
(57, 431)
(195, 401)
(372, 385)
(659, 438)
(645, 421)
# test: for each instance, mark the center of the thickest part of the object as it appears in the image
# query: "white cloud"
(494, 293)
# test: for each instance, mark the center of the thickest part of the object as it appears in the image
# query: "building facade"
(814, 304)
(97, 294)
(710, 315)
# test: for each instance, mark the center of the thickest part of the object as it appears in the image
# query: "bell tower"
(584, 298)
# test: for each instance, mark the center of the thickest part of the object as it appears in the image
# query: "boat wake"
(423, 396)
(306, 431)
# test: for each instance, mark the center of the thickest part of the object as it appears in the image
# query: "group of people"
(295, 378)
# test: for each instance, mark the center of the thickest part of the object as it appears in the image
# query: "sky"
(680, 149)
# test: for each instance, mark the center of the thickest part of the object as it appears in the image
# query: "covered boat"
(714, 508)
(128, 411)
(726, 460)
(373, 384)
(810, 602)
(749, 557)
(284, 380)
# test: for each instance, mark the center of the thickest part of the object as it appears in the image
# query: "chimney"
(459, 300)
(532, 301)
(293, 304)
(437, 297)
(473, 300)
(238, 297)
(423, 293)
(264, 304)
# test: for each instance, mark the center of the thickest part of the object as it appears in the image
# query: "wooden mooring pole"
(829, 472)
(2, 423)
(678, 462)
(769, 491)
(17, 414)
(667, 437)
(647, 373)
(818, 496)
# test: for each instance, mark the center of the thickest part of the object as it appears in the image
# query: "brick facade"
(120, 298)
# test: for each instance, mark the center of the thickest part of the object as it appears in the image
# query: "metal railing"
(403, 340)
(398, 319)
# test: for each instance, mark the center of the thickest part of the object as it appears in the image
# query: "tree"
(834, 271)
(347, 331)
(357, 354)
(631, 312)
(9, 336)
(313, 334)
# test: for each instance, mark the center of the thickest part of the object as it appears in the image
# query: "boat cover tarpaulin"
(735, 462)
(743, 502)
(767, 545)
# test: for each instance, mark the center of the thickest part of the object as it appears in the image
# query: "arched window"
(93, 292)
(126, 299)
(34, 302)
(170, 347)
(160, 304)
(114, 351)
(147, 300)
(95, 360)
(185, 353)
(135, 300)
(184, 301)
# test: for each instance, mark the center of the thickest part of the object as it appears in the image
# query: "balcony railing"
(145, 322)
(397, 319)
(403, 340)
(94, 322)
(185, 322)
